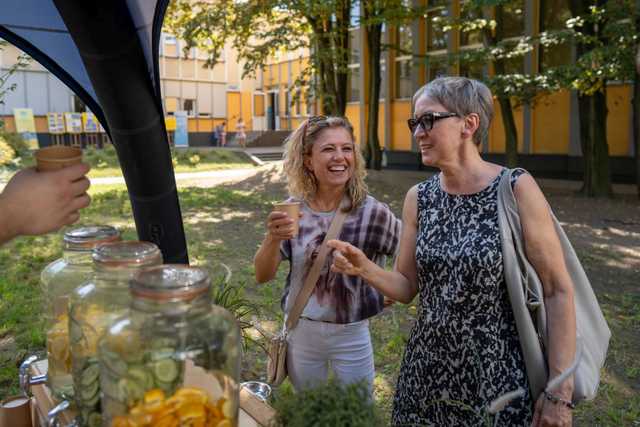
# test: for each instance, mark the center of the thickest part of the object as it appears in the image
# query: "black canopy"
(107, 53)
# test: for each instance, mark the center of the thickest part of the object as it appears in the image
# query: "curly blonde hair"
(301, 182)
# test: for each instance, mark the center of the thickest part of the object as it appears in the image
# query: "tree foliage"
(260, 29)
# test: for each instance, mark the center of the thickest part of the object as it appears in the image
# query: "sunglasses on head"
(428, 119)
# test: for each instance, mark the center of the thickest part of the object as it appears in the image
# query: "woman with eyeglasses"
(464, 351)
(324, 168)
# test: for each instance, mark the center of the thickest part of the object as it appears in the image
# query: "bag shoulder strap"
(314, 273)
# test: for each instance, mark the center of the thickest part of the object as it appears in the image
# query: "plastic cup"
(57, 157)
(293, 210)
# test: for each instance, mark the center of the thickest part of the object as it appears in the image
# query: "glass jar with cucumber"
(174, 359)
(58, 280)
(94, 306)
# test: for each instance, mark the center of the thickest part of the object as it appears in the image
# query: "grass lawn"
(225, 224)
(104, 162)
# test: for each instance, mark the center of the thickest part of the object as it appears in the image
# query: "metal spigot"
(24, 374)
(52, 416)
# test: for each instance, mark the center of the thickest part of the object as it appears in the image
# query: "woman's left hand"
(549, 414)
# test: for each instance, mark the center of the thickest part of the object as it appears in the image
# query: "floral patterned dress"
(463, 350)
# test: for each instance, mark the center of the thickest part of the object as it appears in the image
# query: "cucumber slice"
(90, 375)
(129, 391)
(165, 370)
(92, 402)
(113, 362)
(140, 375)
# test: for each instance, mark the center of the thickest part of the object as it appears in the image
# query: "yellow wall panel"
(496, 131)
(550, 124)
(353, 114)
(192, 124)
(233, 110)
(618, 119)
(400, 134)
(247, 114)
(205, 125)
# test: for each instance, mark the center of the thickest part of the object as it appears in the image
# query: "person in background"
(241, 136)
(223, 134)
(464, 350)
(35, 203)
(323, 166)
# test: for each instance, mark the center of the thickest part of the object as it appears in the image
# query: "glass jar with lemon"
(58, 280)
(174, 359)
(94, 306)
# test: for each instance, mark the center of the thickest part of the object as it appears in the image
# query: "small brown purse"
(277, 351)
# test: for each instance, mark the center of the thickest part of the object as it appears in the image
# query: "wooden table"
(253, 411)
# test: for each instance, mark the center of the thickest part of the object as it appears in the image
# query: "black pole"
(106, 37)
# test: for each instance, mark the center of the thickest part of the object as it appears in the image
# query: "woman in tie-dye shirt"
(322, 166)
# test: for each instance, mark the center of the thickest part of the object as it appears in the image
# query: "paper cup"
(293, 210)
(15, 412)
(57, 157)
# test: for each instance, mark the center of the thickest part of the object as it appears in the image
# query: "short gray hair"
(462, 96)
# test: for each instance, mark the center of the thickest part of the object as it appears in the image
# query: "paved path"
(217, 175)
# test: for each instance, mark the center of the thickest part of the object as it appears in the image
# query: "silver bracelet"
(558, 400)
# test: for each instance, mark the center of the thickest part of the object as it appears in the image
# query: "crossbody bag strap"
(314, 273)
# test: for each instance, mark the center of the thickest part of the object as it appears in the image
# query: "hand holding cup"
(282, 222)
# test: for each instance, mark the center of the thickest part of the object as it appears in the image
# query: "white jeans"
(314, 346)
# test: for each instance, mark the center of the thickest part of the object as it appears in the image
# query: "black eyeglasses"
(428, 119)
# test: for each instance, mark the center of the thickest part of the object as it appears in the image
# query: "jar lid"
(170, 282)
(86, 238)
(127, 254)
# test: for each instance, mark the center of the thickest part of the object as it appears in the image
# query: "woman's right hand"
(280, 226)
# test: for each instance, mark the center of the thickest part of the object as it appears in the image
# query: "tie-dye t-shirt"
(340, 298)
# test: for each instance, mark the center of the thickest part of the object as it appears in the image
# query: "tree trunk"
(506, 109)
(636, 124)
(343, 54)
(373, 152)
(595, 150)
(593, 119)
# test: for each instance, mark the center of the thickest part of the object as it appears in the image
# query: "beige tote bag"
(527, 300)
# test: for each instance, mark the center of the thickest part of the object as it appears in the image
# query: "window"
(354, 83)
(513, 19)
(553, 15)
(404, 87)
(189, 105)
(78, 105)
(437, 67)
(437, 37)
(354, 13)
(404, 40)
(473, 70)
(470, 14)
(354, 45)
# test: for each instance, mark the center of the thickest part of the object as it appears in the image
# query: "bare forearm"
(561, 325)
(7, 228)
(391, 284)
(267, 260)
